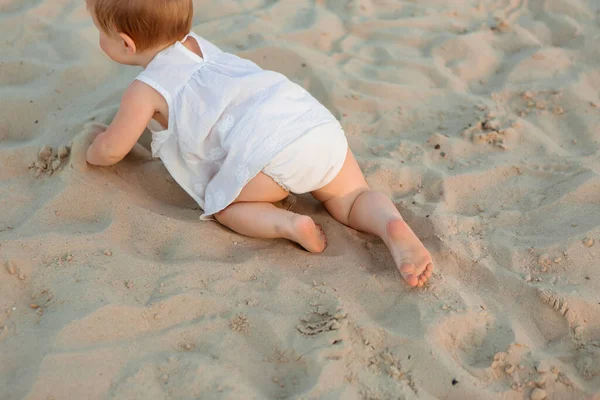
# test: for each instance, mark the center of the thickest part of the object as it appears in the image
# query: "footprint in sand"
(472, 338)
(321, 320)
(561, 305)
(14, 269)
(324, 330)
(388, 363)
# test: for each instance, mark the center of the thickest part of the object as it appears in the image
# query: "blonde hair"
(150, 23)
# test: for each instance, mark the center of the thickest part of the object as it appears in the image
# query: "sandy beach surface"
(480, 118)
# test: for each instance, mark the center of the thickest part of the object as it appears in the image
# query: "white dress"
(228, 118)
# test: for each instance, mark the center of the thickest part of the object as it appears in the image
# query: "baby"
(238, 138)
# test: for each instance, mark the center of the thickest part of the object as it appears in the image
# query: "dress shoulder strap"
(156, 86)
(208, 49)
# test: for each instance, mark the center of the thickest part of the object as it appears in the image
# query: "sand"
(480, 118)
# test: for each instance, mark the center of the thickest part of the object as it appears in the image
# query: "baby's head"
(131, 27)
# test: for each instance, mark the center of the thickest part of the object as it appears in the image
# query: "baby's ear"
(128, 43)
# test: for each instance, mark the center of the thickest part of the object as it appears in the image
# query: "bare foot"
(308, 234)
(411, 257)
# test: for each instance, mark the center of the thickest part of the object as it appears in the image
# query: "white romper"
(229, 119)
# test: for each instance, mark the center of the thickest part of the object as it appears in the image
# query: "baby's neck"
(143, 59)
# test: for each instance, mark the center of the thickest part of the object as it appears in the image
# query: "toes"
(411, 279)
(408, 273)
(427, 272)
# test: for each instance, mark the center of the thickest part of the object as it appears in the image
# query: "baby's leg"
(253, 215)
(350, 201)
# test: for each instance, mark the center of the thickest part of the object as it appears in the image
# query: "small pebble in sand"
(188, 346)
(45, 153)
(542, 366)
(129, 284)
(11, 267)
(588, 242)
(492, 125)
(55, 164)
(63, 152)
(527, 95)
(509, 369)
(538, 394)
(108, 253)
(541, 383)
(558, 110)
(34, 306)
(502, 26)
(544, 259)
(22, 276)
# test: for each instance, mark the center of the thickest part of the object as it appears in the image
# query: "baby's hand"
(81, 142)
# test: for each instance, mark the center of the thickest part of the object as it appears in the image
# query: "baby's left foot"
(411, 257)
(308, 234)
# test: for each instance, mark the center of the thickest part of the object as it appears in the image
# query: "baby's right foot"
(308, 234)
(411, 257)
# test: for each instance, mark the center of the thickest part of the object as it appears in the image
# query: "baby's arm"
(137, 109)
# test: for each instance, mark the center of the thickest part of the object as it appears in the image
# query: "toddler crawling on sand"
(235, 137)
